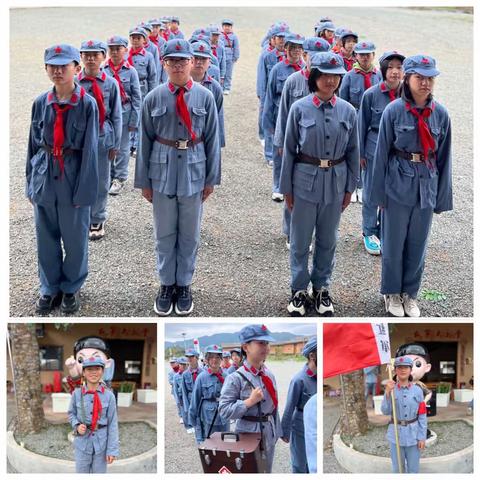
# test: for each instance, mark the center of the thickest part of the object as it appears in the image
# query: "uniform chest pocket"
(78, 133)
(376, 116)
(158, 164)
(208, 391)
(297, 94)
(355, 95)
(406, 137)
(436, 134)
(280, 82)
(158, 118)
(199, 115)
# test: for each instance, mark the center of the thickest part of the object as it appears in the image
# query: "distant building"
(292, 347)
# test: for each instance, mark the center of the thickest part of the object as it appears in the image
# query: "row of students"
(209, 398)
(57, 181)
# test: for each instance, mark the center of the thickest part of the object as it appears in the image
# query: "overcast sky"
(173, 331)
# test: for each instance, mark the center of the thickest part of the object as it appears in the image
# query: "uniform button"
(179, 156)
(327, 120)
(56, 177)
(405, 415)
(328, 136)
(327, 153)
(180, 123)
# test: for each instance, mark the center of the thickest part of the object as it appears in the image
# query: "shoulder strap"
(246, 379)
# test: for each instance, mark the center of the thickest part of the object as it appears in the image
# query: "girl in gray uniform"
(320, 169)
(250, 396)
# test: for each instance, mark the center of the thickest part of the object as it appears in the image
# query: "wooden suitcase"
(227, 452)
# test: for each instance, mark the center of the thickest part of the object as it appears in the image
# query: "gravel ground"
(135, 438)
(243, 265)
(186, 458)
(452, 437)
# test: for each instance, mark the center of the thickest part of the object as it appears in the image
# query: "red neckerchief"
(97, 405)
(153, 39)
(280, 55)
(182, 111)
(330, 40)
(115, 71)
(426, 138)
(214, 50)
(306, 73)
(347, 61)
(166, 34)
(194, 374)
(392, 92)
(227, 39)
(311, 373)
(218, 375)
(267, 382)
(367, 77)
(134, 51)
(175, 369)
(98, 94)
(59, 129)
(296, 66)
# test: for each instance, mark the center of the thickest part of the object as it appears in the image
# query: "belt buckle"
(416, 157)
(325, 163)
(181, 144)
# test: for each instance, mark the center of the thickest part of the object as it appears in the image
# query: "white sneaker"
(226, 92)
(394, 305)
(262, 142)
(270, 163)
(190, 430)
(116, 187)
(353, 198)
(287, 243)
(410, 305)
(360, 195)
(277, 197)
(181, 420)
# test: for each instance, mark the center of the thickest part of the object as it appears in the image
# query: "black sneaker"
(70, 302)
(163, 305)
(97, 231)
(323, 302)
(184, 303)
(46, 303)
(297, 307)
(133, 152)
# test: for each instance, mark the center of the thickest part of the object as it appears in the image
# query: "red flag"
(353, 346)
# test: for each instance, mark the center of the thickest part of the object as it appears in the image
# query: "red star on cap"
(178, 47)
(90, 43)
(401, 359)
(318, 44)
(201, 48)
(58, 49)
(333, 61)
(215, 347)
(395, 51)
(425, 60)
(112, 39)
(364, 44)
(298, 36)
(264, 328)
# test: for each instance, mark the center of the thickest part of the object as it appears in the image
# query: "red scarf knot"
(115, 71)
(132, 52)
(98, 94)
(227, 39)
(424, 133)
(367, 77)
(183, 113)
(217, 374)
(97, 407)
(267, 382)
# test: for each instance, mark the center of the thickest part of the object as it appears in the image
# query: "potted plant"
(443, 394)
(125, 394)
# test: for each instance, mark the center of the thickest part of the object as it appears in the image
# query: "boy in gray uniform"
(93, 416)
(177, 169)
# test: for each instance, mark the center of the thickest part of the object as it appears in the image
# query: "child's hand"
(110, 459)
(389, 386)
(421, 444)
(81, 429)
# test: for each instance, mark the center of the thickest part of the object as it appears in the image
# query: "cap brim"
(202, 54)
(263, 338)
(178, 55)
(333, 71)
(60, 60)
(364, 51)
(295, 42)
(426, 72)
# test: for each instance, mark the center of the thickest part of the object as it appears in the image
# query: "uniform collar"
(207, 78)
(407, 386)
(252, 369)
(211, 372)
(100, 76)
(309, 372)
(317, 102)
(125, 65)
(173, 88)
(287, 62)
(384, 87)
(74, 99)
(100, 388)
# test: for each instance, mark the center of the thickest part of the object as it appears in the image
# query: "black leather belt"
(318, 162)
(252, 418)
(64, 151)
(98, 427)
(404, 423)
(413, 157)
(179, 144)
(374, 129)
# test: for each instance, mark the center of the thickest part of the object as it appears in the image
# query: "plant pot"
(462, 394)
(443, 399)
(124, 399)
(146, 396)
(377, 400)
(60, 402)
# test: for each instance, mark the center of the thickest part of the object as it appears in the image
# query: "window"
(51, 358)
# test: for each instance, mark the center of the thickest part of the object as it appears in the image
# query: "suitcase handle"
(226, 434)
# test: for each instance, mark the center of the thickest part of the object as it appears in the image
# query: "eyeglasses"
(172, 62)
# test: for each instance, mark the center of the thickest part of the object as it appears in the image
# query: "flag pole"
(394, 414)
